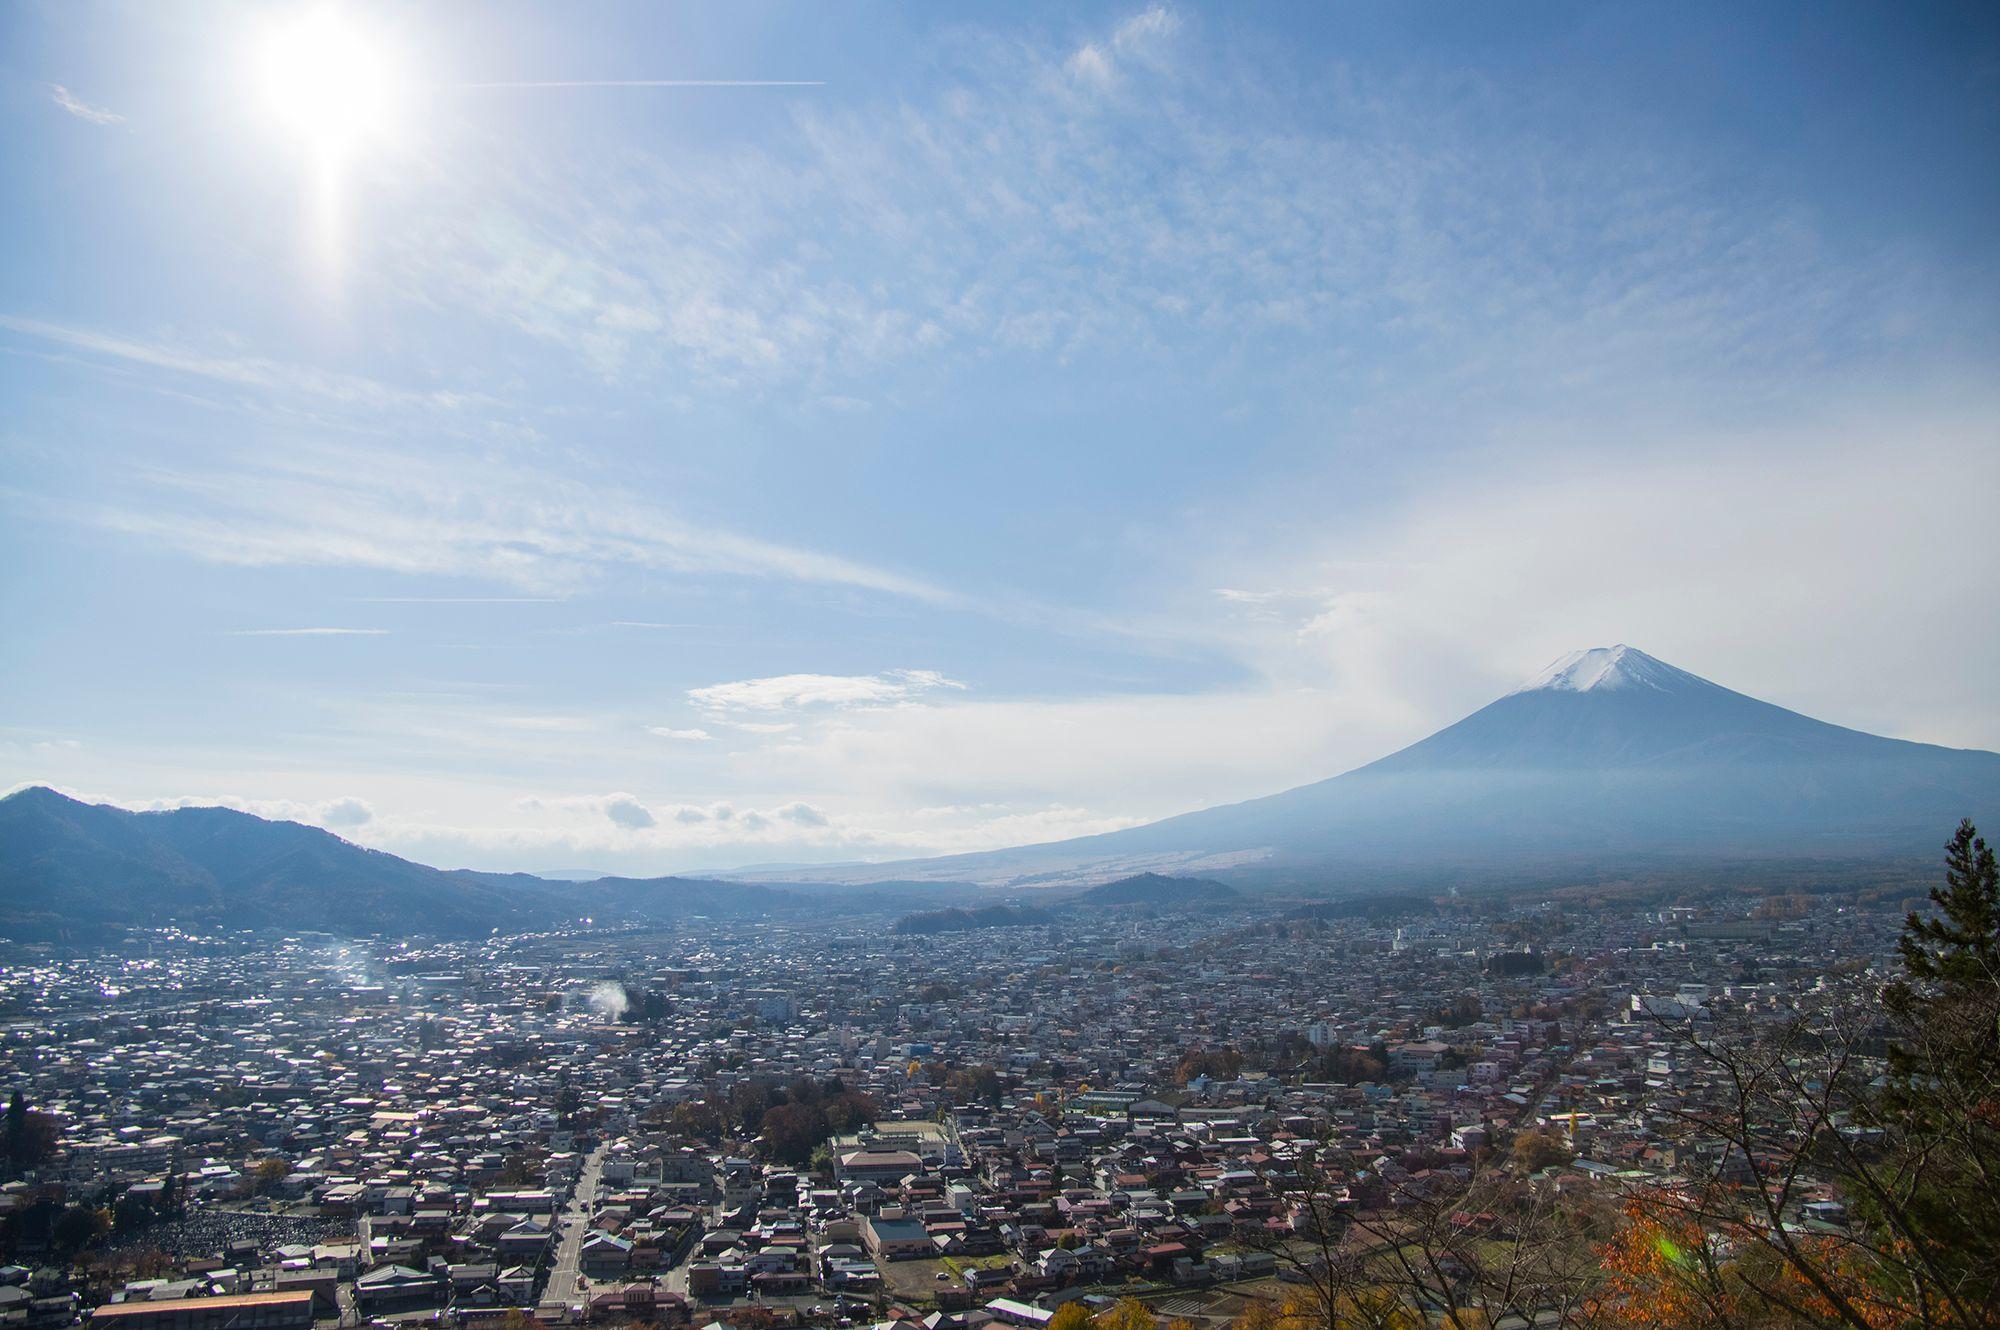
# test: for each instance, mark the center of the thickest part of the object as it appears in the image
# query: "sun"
(326, 81)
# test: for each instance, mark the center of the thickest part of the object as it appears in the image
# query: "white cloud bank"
(786, 692)
(1811, 569)
(1830, 569)
(344, 815)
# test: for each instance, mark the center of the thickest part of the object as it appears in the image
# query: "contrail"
(653, 83)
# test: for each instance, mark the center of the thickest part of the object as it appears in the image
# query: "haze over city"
(1137, 666)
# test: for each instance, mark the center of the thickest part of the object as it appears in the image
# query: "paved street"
(571, 1225)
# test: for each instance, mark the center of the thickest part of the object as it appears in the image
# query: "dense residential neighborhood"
(761, 1123)
(1058, 665)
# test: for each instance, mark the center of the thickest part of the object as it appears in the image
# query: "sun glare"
(326, 82)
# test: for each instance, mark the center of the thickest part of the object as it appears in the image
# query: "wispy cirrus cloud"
(1096, 63)
(82, 110)
(257, 372)
(17, 743)
(564, 84)
(335, 505)
(1143, 198)
(458, 600)
(309, 632)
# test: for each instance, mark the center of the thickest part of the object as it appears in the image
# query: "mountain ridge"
(1608, 762)
(1643, 764)
(71, 868)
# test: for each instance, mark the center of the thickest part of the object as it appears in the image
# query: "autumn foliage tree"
(1399, 1253)
(1645, 1276)
(1217, 1064)
(1125, 1314)
(1534, 1151)
(1910, 1140)
(269, 1172)
(792, 1132)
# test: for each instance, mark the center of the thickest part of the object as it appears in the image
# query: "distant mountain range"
(1609, 765)
(77, 870)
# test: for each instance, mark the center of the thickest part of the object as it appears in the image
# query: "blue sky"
(1043, 419)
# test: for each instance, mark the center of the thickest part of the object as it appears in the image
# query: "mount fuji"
(1609, 763)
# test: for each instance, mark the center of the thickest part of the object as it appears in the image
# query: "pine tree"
(1958, 951)
(1948, 1000)
(1941, 1100)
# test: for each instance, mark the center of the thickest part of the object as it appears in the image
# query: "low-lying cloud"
(628, 812)
(786, 692)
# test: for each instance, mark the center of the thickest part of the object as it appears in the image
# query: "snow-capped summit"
(1602, 669)
(1609, 765)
